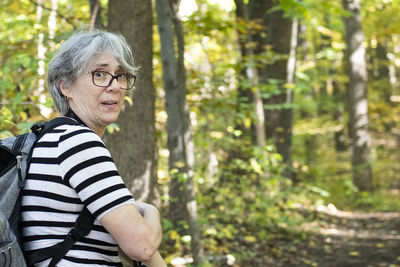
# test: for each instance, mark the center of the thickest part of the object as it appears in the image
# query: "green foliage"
(21, 97)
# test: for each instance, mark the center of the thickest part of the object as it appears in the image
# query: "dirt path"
(345, 239)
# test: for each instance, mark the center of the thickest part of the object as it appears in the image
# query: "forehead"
(104, 60)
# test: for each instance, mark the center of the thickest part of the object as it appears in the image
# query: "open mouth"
(109, 102)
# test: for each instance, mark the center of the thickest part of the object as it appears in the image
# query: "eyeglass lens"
(104, 79)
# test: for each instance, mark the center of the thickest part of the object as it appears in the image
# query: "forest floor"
(339, 239)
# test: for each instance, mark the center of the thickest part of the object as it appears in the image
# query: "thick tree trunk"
(281, 35)
(134, 146)
(183, 205)
(357, 97)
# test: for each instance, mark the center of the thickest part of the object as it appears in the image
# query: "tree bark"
(183, 205)
(249, 70)
(280, 33)
(357, 97)
(134, 146)
(95, 15)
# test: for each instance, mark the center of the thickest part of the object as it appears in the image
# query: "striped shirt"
(71, 168)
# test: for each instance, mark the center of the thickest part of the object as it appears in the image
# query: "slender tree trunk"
(95, 14)
(281, 34)
(134, 146)
(338, 116)
(357, 97)
(42, 49)
(52, 23)
(180, 144)
(383, 72)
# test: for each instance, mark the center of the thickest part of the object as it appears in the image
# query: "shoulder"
(66, 137)
(67, 133)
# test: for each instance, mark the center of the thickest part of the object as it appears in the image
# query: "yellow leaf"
(380, 245)
(250, 238)
(354, 253)
(174, 235)
(129, 100)
(24, 116)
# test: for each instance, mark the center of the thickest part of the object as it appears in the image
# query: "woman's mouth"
(109, 103)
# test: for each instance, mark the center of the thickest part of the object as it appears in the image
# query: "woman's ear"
(64, 89)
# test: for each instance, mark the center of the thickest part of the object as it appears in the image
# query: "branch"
(58, 13)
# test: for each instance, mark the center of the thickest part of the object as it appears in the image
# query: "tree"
(133, 147)
(249, 70)
(180, 144)
(279, 35)
(357, 96)
(95, 14)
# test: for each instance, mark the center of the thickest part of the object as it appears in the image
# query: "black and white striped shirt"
(71, 167)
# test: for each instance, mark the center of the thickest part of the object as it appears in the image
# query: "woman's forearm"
(152, 218)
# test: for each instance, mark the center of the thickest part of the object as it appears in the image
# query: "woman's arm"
(138, 236)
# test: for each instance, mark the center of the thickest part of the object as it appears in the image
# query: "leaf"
(250, 239)
(354, 253)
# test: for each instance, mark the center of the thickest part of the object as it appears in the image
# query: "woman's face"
(96, 106)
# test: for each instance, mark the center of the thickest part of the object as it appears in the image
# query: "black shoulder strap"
(19, 143)
(83, 226)
(41, 128)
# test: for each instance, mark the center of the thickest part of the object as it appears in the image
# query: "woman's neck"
(99, 132)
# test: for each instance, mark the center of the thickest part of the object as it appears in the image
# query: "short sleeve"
(86, 165)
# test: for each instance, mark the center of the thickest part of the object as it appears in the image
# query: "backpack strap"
(41, 128)
(83, 226)
(19, 143)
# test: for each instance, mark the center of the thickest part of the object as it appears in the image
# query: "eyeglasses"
(105, 79)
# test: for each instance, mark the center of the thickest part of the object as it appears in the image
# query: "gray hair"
(72, 58)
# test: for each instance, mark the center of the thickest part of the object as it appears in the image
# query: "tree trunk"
(357, 97)
(250, 71)
(281, 35)
(134, 147)
(183, 204)
(383, 76)
(95, 15)
(338, 116)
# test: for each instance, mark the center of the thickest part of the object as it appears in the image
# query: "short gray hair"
(72, 58)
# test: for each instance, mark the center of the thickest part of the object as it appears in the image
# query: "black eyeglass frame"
(112, 79)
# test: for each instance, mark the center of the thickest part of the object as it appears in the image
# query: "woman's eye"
(99, 74)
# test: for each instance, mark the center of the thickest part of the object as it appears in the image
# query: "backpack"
(15, 157)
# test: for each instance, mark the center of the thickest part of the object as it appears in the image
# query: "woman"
(71, 168)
